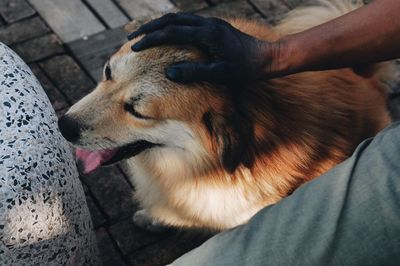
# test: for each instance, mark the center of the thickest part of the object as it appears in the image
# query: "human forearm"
(367, 35)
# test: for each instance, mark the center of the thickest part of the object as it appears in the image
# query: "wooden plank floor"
(66, 43)
(145, 8)
(93, 52)
(111, 15)
(70, 19)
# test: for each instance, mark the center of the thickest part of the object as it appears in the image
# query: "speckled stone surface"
(44, 219)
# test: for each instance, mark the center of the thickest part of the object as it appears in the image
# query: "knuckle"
(210, 33)
(182, 14)
(142, 28)
(169, 16)
(143, 42)
(214, 20)
(151, 38)
(195, 17)
(169, 30)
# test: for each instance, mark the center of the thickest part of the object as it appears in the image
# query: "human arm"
(367, 35)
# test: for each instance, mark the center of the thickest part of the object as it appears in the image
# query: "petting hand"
(233, 55)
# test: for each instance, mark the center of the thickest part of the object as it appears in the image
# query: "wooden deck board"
(93, 52)
(109, 12)
(145, 8)
(70, 19)
(15, 10)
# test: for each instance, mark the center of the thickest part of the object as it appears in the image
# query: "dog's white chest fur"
(174, 199)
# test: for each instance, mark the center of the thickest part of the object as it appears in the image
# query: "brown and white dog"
(203, 156)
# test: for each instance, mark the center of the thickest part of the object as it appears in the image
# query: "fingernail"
(136, 47)
(172, 73)
(132, 35)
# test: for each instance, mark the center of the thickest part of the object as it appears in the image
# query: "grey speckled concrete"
(44, 219)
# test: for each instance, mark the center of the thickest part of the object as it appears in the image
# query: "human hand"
(233, 55)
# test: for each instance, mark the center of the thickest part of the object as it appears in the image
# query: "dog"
(201, 156)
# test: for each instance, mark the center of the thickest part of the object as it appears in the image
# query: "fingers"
(187, 72)
(168, 19)
(170, 35)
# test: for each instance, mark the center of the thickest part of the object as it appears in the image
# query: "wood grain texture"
(14, 10)
(93, 52)
(67, 76)
(71, 19)
(189, 6)
(145, 8)
(23, 30)
(109, 12)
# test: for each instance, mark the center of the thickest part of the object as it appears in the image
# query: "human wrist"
(285, 57)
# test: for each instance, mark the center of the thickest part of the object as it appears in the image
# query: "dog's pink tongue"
(91, 160)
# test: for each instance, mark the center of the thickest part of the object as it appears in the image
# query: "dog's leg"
(142, 219)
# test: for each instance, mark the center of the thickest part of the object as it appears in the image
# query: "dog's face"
(135, 108)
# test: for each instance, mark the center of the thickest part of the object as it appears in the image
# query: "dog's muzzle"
(69, 128)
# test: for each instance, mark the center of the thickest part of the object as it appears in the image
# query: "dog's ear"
(232, 137)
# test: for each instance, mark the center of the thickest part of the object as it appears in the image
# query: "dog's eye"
(107, 72)
(129, 108)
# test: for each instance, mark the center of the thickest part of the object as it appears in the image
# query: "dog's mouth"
(88, 161)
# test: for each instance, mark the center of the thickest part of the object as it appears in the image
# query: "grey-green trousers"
(348, 216)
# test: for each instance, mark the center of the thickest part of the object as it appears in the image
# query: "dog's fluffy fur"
(226, 155)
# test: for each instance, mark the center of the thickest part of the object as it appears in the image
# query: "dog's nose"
(70, 128)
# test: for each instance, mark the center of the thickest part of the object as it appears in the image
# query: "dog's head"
(136, 109)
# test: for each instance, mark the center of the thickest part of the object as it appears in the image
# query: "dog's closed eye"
(131, 109)
(107, 71)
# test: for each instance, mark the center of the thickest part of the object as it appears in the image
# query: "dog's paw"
(143, 220)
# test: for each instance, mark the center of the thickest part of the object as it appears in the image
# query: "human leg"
(348, 216)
